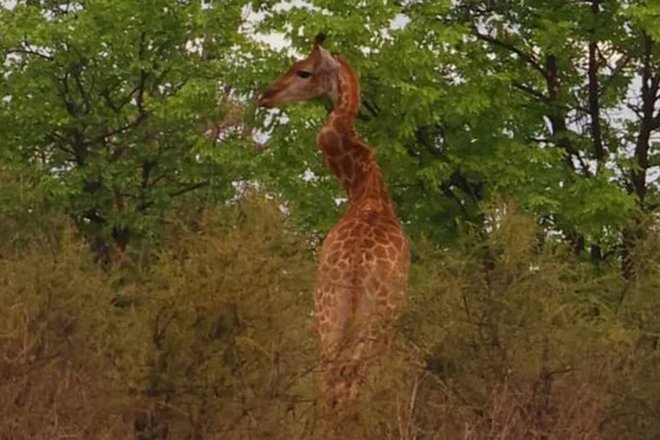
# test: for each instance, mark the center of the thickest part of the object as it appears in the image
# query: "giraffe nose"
(265, 99)
(263, 102)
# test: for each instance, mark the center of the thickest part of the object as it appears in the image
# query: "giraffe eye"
(303, 74)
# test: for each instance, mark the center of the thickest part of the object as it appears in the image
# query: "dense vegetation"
(157, 255)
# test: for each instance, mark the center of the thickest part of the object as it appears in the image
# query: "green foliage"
(465, 100)
(109, 101)
(106, 101)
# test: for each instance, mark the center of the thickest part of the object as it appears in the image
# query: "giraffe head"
(308, 78)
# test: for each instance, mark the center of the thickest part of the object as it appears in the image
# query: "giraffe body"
(364, 260)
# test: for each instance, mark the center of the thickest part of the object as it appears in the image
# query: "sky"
(275, 40)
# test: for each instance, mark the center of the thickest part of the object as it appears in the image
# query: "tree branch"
(649, 89)
(655, 124)
(594, 93)
(75, 72)
(530, 59)
(145, 205)
(617, 70)
(25, 51)
(530, 91)
(557, 116)
(134, 123)
(68, 103)
(189, 188)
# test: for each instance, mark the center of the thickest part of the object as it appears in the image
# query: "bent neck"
(347, 156)
(346, 93)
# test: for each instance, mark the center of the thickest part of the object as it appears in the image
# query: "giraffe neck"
(346, 98)
(347, 156)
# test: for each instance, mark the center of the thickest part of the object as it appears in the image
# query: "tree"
(106, 103)
(553, 105)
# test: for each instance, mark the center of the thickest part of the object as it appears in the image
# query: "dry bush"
(635, 381)
(211, 337)
(230, 320)
(25, 214)
(508, 343)
(50, 387)
(212, 340)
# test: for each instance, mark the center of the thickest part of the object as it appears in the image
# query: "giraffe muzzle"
(265, 99)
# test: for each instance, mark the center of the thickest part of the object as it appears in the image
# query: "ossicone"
(319, 39)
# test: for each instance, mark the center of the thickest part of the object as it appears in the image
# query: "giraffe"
(364, 260)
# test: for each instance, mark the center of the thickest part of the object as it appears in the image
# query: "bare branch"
(635, 109)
